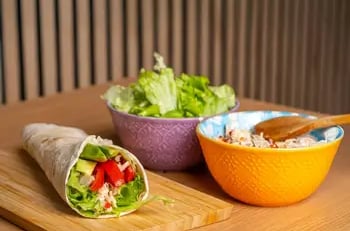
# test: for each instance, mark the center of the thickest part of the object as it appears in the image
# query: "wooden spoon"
(285, 127)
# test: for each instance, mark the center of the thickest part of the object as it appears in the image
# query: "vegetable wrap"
(94, 177)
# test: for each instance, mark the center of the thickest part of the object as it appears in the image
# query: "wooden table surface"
(327, 209)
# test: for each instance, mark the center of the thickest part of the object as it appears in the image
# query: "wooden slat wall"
(49, 47)
(66, 44)
(30, 48)
(117, 35)
(147, 24)
(177, 35)
(294, 52)
(10, 58)
(203, 55)
(82, 44)
(162, 29)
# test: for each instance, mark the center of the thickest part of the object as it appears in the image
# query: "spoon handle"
(322, 122)
(331, 121)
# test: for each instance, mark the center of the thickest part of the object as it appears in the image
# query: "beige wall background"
(293, 52)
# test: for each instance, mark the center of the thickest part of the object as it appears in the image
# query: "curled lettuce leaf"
(159, 93)
(159, 88)
(120, 97)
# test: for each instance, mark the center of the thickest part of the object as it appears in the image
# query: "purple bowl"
(160, 143)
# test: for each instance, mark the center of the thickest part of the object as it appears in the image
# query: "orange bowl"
(265, 176)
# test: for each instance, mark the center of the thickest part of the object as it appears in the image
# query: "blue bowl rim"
(188, 119)
(237, 146)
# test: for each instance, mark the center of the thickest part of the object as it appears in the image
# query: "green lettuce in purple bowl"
(155, 117)
(159, 93)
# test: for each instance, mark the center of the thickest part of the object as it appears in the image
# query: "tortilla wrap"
(57, 149)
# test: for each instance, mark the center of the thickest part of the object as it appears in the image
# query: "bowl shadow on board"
(199, 178)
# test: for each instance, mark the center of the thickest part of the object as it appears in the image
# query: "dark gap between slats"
(317, 81)
(140, 31)
(335, 62)
(315, 55)
(223, 50)
(260, 87)
(249, 41)
(248, 38)
(211, 41)
(156, 27)
(279, 52)
(75, 44)
(58, 46)
(298, 72)
(346, 52)
(40, 65)
(296, 40)
(309, 55)
(184, 36)
(323, 66)
(22, 74)
(2, 79)
(125, 38)
(92, 42)
(290, 43)
(236, 23)
(343, 63)
(170, 33)
(258, 53)
(269, 40)
(199, 39)
(303, 49)
(109, 40)
(331, 59)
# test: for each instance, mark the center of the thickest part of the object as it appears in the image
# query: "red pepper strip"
(99, 178)
(113, 173)
(129, 174)
(107, 205)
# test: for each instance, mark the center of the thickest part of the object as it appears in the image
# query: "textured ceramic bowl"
(265, 176)
(159, 143)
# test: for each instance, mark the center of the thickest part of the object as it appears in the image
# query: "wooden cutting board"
(29, 200)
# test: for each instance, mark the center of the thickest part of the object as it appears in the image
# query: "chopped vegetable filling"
(103, 181)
